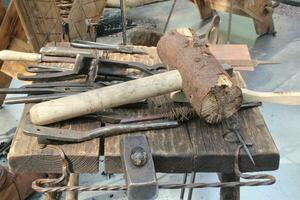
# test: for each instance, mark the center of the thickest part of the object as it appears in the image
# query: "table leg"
(232, 193)
(4, 83)
(73, 181)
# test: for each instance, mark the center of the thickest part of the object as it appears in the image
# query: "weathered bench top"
(193, 146)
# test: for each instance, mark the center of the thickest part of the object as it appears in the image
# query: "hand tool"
(86, 65)
(65, 84)
(8, 55)
(66, 135)
(39, 68)
(234, 125)
(82, 66)
(101, 46)
(44, 90)
(215, 100)
(138, 168)
(70, 52)
(285, 98)
(34, 98)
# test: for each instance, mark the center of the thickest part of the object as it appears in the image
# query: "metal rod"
(169, 16)
(230, 21)
(192, 181)
(183, 189)
(242, 141)
(124, 23)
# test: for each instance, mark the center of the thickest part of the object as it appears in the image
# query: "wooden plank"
(232, 53)
(40, 20)
(26, 155)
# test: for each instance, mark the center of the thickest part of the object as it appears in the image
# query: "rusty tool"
(49, 90)
(66, 135)
(233, 124)
(101, 46)
(90, 67)
(139, 168)
(9, 55)
(34, 98)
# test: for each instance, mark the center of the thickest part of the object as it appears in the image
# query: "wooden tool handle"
(286, 98)
(8, 55)
(107, 97)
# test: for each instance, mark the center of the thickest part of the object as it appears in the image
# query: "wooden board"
(42, 21)
(232, 53)
(197, 146)
(25, 154)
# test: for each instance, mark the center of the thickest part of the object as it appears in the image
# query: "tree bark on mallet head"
(205, 83)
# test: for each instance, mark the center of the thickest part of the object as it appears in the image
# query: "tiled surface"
(282, 121)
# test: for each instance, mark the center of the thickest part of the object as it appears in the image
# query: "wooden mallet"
(195, 70)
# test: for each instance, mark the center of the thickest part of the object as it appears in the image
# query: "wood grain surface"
(200, 147)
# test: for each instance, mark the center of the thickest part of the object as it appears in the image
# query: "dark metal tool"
(66, 135)
(34, 98)
(234, 126)
(92, 68)
(49, 90)
(139, 168)
(82, 65)
(101, 46)
(69, 52)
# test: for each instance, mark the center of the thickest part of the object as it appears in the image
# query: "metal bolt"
(138, 156)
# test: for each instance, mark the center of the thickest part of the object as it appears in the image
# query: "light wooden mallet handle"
(8, 55)
(107, 97)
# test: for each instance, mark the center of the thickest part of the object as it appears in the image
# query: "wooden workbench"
(194, 146)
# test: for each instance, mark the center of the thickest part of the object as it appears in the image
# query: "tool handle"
(107, 97)
(8, 55)
(286, 98)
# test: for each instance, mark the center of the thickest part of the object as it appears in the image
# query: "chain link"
(257, 180)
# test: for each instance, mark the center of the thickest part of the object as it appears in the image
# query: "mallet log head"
(206, 85)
